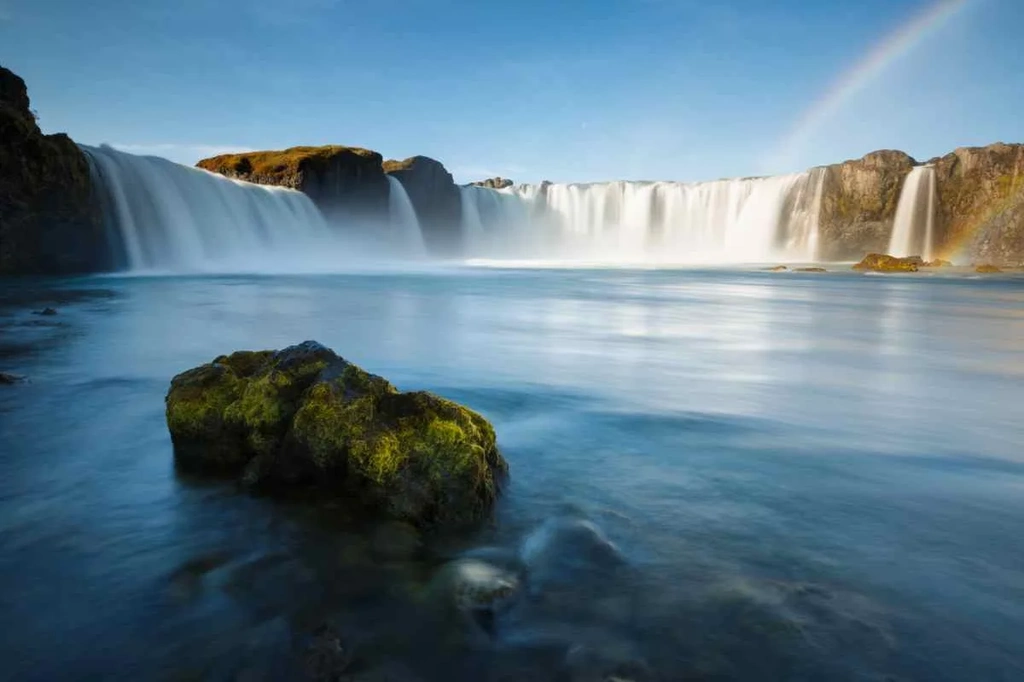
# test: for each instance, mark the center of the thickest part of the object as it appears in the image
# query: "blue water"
(804, 477)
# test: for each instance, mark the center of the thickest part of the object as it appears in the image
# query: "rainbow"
(886, 51)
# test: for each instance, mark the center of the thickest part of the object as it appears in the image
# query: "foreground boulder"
(304, 418)
(880, 262)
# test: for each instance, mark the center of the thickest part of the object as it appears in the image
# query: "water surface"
(802, 477)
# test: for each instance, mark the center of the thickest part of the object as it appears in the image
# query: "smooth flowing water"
(748, 220)
(715, 475)
(914, 223)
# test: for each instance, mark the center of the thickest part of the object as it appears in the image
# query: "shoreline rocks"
(304, 420)
(987, 268)
(880, 262)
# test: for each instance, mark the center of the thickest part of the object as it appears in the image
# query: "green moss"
(305, 413)
(245, 363)
(195, 409)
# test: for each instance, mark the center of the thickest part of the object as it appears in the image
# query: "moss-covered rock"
(305, 418)
(988, 269)
(880, 262)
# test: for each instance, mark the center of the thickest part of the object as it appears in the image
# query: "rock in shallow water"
(304, 418)
(880, 262)
(10, 379)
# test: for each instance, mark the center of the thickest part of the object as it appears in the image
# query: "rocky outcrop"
(858, 204)
(880, 262)
(988, 269)
(49, 222)
(343, 181)
(436, 198)
(304, 419)
(493, 183)
(981, 203)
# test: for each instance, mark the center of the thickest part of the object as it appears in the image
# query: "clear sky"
(528, 89)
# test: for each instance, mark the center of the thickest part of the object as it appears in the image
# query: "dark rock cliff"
(342, 181)
(49, 221)
(493, 183)
(436, 198)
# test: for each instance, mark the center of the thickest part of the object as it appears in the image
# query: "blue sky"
(607, 89)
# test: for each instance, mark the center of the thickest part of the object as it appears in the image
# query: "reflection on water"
(715, 475)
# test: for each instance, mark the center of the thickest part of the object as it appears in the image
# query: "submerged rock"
(880, 262)
(45, 311)
(777, 268)
(810, 270)
(10, 379)
(988, 269)
(305, 419)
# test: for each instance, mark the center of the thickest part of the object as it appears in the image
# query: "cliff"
(858, 204)
(981, 203)
(341, 180)
(436, 198)
(493, 183)
(49, 222)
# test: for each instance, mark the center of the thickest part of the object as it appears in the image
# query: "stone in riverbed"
(988, 269)
(810, 270)
(880, 262)
(937, 263)
(777, 268)
(10, 379)
(305, 419)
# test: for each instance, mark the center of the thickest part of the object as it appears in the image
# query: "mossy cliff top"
(304, 418)
(286, 167)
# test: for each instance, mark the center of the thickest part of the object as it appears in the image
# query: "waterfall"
(726, 221)
(403, 218)
(172, 217)
(913, 228)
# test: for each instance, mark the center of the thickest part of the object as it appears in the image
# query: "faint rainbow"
(892, 47)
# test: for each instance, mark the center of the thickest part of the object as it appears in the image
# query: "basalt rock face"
(436, 198)
(981, 203)
(346, 182)
(305, 421)
(493, 183)
(858, 205)
(49, 221)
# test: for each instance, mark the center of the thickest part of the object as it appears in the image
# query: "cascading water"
(172, 217)
(913, 228)
(403, 219)
(727, 221)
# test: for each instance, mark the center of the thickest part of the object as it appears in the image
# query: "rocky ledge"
(304, 420)
(493, 183)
